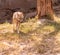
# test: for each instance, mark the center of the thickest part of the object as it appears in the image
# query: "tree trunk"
(44, 7)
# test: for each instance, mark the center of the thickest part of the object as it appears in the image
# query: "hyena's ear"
(22, 15)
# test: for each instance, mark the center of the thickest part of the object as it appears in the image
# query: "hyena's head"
(19, 16)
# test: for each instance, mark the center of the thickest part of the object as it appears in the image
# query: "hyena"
(17, 19)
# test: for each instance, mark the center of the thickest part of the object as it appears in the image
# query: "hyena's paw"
(16, 31)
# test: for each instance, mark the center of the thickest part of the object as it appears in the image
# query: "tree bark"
(44, 7)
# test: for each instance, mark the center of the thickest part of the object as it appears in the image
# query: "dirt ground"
(33, 39)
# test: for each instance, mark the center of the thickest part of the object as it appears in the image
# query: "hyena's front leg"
(14, 25)
(17, 27)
